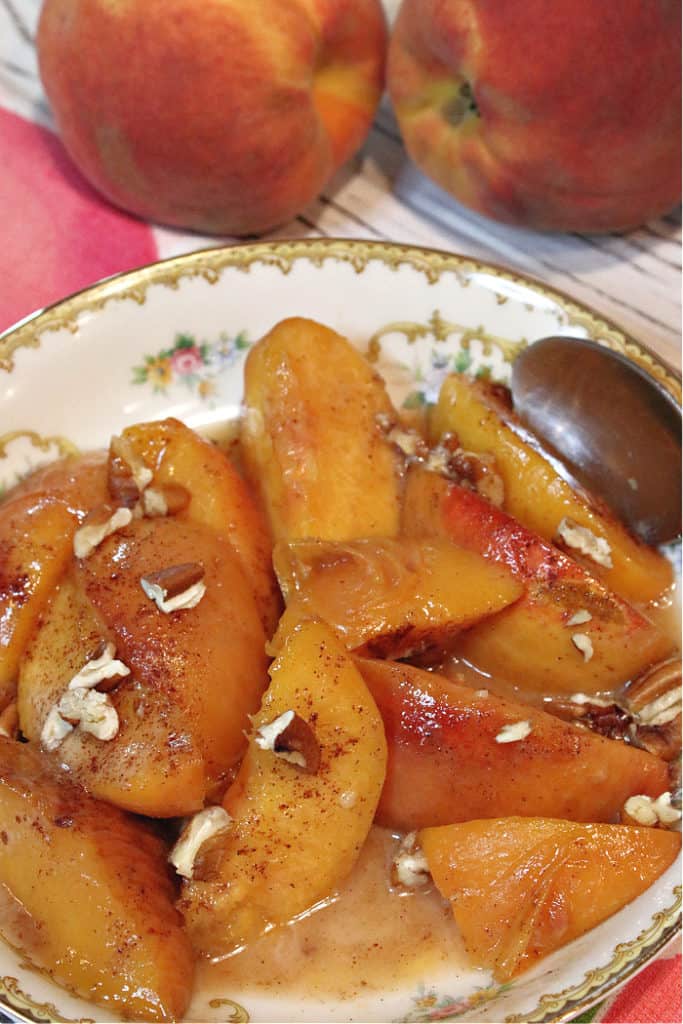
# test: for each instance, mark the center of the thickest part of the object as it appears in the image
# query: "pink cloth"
(57, 234)
(653, 997)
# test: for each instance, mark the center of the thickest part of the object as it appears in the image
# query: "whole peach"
(554, 114)
(225, 116)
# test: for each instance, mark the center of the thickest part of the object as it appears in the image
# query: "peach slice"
(456, 753)
(296, 831)
(313, 437)
(537, 495)
(568, 633)
(35, 549)
(218, 498)
(390, 597)
(86, 893)
(37, 521)
(141, 769)
(196, 674)
(520, 888)
(80, 481)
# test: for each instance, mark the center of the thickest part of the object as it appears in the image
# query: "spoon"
(614, 426)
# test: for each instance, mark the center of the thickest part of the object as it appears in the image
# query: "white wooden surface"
(633, 278)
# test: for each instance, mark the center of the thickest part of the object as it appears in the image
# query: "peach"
(315, 436)
(561, 116)
(390, 597)
(218, 498)
(535, 493)
(35, 548)
(225, 116)
(37, 521)
(534, 644)
(196, 674)
(520, 888)
(87, 895)
(297, 828)
(449, 759)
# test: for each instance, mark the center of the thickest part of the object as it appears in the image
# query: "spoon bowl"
(616, 429)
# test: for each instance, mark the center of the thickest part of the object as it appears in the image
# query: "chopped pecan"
(291, 738)
(478, 471)
(656, 690)
(124, 462)
(166, 500)
(176, 579)
(198, 831)
(102, 671)
(654, 700)
(120, 481)
(662, 740)
(100, 523)
(607, 718)
(176, 587)
(409, 868)
(579, 539)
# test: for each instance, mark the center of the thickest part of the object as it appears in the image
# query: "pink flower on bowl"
(187, 361)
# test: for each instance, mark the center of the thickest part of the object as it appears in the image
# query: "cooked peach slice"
(37, 521)
(196, 673)
(297, 826)
(35, 548)
(314, 438)
(88, 894)
(80, 481)
(539, 497)
(455, 753)
(390, 597)
(216, 496)
(568, 633)
(520, 888)
(153, 765)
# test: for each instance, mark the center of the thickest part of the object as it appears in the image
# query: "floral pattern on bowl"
(195, 364)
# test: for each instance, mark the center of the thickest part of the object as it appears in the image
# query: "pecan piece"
(476, 471)
(654, 699)
(100, 523)
(126, 468)
(291, 738)
(120, 481)
(175, 587)
(166, 500)
(409, 868)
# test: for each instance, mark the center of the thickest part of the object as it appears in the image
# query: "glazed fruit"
(296, 829)
(35, 549)
(455, 753)
(312, 436)
(212, 493)
(195, 674)
(536, 495)
(80, 481)
(37, 523)
(520, 888)
(390, 597)
(568, 633)
(88, 896)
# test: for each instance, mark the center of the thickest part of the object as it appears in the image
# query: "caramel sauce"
(368, 938)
